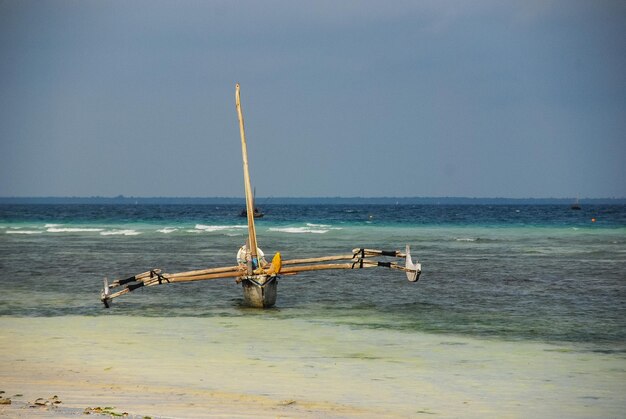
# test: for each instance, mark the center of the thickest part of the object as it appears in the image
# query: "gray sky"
(341, 98)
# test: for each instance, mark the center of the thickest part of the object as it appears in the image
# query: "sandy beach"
(264, 367)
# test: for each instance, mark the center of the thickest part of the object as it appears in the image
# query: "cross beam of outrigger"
(257, 276)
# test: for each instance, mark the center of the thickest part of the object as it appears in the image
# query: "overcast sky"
(340, 98)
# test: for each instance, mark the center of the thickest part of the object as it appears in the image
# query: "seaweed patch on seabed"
(39, 404)
(109, 411)
(52, 407)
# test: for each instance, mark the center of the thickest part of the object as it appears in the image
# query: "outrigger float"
(258, 278)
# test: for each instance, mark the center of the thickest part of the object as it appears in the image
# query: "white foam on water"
(299, 230)
(120, 233)
(465, 239)
(318, 225)
(213, 228)
(24, 231)
(167, 230)
(52, 225)
(72, 229)
(311, 228)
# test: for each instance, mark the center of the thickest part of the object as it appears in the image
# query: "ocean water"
(514, 273)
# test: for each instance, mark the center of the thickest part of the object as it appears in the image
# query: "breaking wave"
(24, 231)
(299, 230)
(71, 229)
(310, 228)
(167, 230)
(120, 233)
(213, 228)
(466, 239)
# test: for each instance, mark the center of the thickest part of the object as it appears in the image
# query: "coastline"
(233, 367)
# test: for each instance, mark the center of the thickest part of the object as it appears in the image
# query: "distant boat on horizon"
(576, 205)
(256, 213)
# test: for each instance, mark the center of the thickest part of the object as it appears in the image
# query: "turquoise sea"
(513, 272)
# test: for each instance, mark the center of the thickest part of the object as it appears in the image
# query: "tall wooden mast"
(246, 179)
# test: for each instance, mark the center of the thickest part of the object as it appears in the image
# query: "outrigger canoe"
(258, 278)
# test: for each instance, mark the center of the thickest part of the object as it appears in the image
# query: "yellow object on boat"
(276, 264)
(273, 268)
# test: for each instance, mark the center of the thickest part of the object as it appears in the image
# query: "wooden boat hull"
(260, 292)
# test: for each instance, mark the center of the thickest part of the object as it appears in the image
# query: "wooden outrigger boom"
(258, 278)
(359, 259)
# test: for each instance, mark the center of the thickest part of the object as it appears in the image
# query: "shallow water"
(538, 273)
(378, 372)
(520, 310)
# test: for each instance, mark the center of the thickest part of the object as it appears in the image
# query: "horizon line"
(448, 197)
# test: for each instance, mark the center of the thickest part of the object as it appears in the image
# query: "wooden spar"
(232, 271)
(356, 254)
(307, 268)
(206, 271)
(252, 244)
(181, 277)
(375, 252)
(328, 266)
(146, 276)
(294, 270)
(314, 260)
(137, 277)
(153, 276)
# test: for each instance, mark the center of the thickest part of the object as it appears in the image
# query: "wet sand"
(258, 366)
